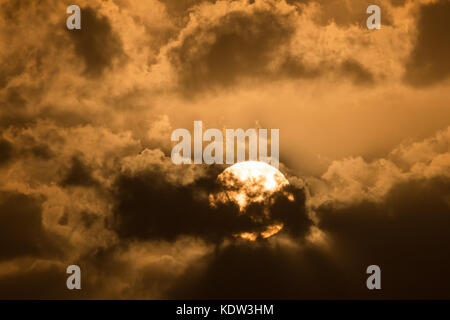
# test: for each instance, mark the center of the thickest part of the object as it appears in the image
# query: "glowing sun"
(245, 183)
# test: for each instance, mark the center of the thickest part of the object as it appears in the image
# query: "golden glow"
(258, 174)
(250, 182)
(272, 230)
(250, 236)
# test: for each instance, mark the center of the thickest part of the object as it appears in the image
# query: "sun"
(250, 182)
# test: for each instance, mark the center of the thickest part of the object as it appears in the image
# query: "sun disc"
(251, 182)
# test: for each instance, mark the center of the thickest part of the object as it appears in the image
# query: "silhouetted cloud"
(78, 175)
(428, 63)
(406, 235)
(359, 75)
(6, 151)
(96, 43)
(148, 207)
(21, 229)
(238, 45)
(37, 282)
(262, 271)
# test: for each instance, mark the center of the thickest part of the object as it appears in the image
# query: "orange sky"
(86, 117)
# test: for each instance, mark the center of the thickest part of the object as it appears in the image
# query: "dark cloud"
(45, 282)
(64, 220)
(21, 230)
(19, 104)
(6, 151)
(96, 43)
(359, 75)
(239, 45)
(13, 111)
(41, 151)
(88, 218)
(244, 45)
(83, 218)
(293, 67)
(428, 63)
(10, 68)
(147, 207)
(262, 271)
(79, 174)
(406, 236)
(28, 146)
(291, 213)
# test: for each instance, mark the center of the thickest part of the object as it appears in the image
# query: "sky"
(86, 175)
